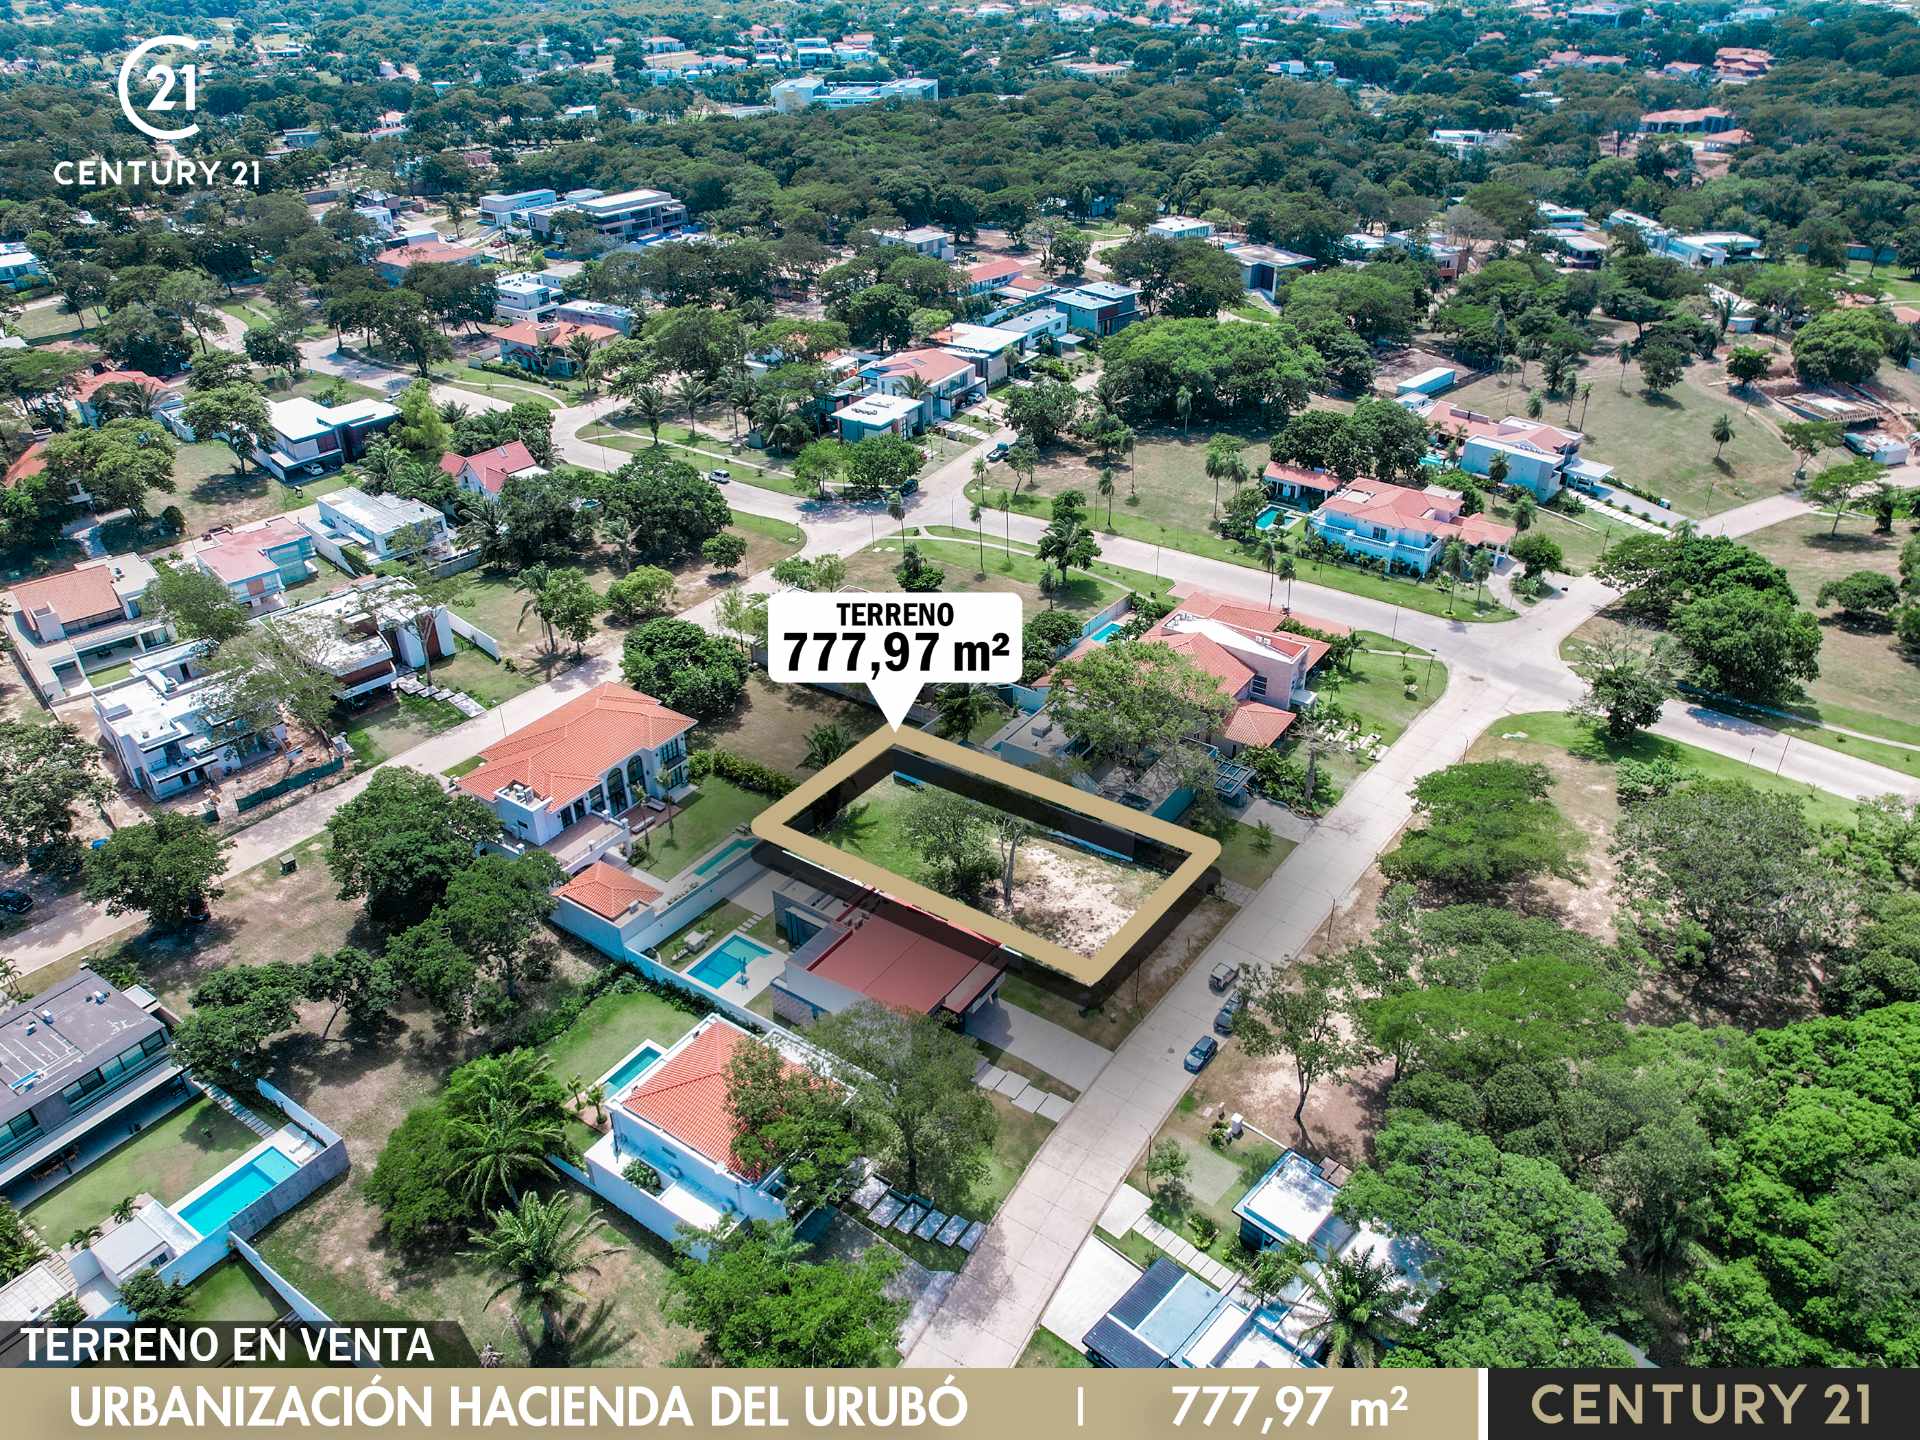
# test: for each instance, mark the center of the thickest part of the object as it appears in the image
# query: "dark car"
(1204, 1049)
(998, 451)
(1223, 1022)
(15, 902)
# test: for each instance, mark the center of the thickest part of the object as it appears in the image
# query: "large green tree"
(399, 843)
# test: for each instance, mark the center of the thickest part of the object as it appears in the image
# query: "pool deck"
(750, 982)
(290, 1140)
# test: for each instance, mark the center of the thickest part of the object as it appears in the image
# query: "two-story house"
(170, 726)
(945, 382)
(1297, 486)
(544, 346)
(675, 1130)
(311, 439)
(627, 215)
(20, 268)
(87, 388)
(564, 781)
(1099, 307)
(1538, 457)
(927, 240)
(1404, 528)
(524, 296)
(78, 1062)
(258, 563)
(487, 472)
(990, 351)
(82, 620)
(987, 276)
(502, 208)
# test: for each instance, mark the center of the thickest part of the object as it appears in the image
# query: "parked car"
(1223, 1022)
(1223, 976)
(719, 476)
(15, 902)
(998, 450)
(1203, 1051)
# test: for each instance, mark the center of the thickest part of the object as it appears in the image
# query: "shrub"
(739, 770)
(640, 1173)
(1638, 780)
(1205, 1230)
(409, 1181)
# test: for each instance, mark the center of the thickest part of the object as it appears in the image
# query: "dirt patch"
(1074, 899)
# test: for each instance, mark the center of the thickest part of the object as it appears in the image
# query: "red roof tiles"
(686, 1097)
(608, 890)
(562, 756)
(491, 468)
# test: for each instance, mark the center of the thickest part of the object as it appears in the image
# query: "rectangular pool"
(721, 856)
(236, 1190)
(633, 1067)
(729, 961)
(1107, 631)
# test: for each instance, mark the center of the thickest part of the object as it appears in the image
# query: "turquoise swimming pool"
(1106, 632)
(633, 1067)
(729, 960)
(236, 1190)
(724, 854)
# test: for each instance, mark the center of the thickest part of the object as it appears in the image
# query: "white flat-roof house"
(170, 728)
(1180, 227)
(924, 240)
(526, 296)
(390, 527)
(801, 91)
(627, 215)
(500, 209)
(310, 438)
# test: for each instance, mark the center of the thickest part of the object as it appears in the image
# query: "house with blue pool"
(1172, 1319)
(668, 1159)
(1405, 528)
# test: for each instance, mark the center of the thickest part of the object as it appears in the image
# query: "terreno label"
(893, 644)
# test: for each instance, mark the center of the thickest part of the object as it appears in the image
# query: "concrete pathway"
(1095, 1280)
(1041, 1043)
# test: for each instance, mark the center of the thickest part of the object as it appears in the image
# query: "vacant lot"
(772, 722)
(210, 489)
(1015, 573)
(1068, 895)
(1660, 444)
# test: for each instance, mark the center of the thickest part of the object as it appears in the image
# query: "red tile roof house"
(564, 782)
(1298, 486)
(989, 275)
(393, 264)
(1403, 527)
(86, 387)
(1263, 669)
(950, 381)
(487, 472)
(82, 620)
(526, 342)
(677, 1117)
(851, 945)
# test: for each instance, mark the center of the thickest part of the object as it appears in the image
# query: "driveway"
(1044, 1045)
(1093, 1285)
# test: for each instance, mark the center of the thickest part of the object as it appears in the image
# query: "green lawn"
(464, 767)
(1018, 573)
(1659, 444)
(394, 728)
(233, 1292)
(708, 818)
(1376, 693)
(485, 679)
(611, 1027)
(165, 1160)
(46, 322)
(1565, 732)
(1582, 538)
(999, 546)
(1241, 858)
(624, 434)
(1017, 1140)
(1889, 280)
(1047, 1351)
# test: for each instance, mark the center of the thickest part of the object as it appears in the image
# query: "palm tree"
(651, 406)
(453, 411)
(1350, 1303)
(1586, 394)
(541, 1247)
(826, 744)
(741, 397)
(897, 511)
(1183, 404)
(1452, 554)
(1482, 568)
(961, 707)
(507, 1143)
(690, 392)
(1285, 570)
(1722, 432)
(1313, 734)
(580, 347)
(977, 515)
(1224, 462)
(532, 582)
(1105, 487)
(1625, 353)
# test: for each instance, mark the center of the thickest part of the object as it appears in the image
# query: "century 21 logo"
(175, 87)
